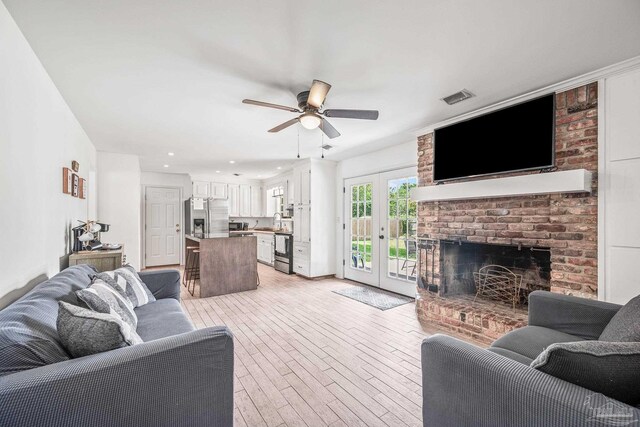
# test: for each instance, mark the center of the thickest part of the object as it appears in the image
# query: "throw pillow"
(84, 332)
(610, 368)
(129, 283)
(625, 325)
(101, 297)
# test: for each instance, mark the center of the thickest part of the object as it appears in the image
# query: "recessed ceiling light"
(232, 161)
(169, 154)
(279, 167)
(166, 166)
(217, 171)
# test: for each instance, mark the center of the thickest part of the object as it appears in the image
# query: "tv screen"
(519, 137)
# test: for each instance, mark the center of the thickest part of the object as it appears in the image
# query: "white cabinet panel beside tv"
(573, 181)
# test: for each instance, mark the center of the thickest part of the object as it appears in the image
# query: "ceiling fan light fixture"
(310, 121)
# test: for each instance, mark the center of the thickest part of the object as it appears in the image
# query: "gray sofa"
(178, 377)
(464, 385)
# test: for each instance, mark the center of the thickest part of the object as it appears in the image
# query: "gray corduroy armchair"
(464, 385)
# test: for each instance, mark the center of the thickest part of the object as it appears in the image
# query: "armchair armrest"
(183, 380)
(162, 283)
(464, 385)
(582, 317)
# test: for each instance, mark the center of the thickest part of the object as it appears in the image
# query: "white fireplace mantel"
(572, 181)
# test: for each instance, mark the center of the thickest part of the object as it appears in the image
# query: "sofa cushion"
(28, 334)
(101, 297)
(162, 318)
(610, 368)
(126, 279)
(530, 341)
(84, 332)
(625, 325)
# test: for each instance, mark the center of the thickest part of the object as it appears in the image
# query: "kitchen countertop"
(199, 237)
(250, 231)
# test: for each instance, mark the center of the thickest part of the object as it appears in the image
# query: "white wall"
(39, 135)
(119, 201)
(159, 179)
(391, 158)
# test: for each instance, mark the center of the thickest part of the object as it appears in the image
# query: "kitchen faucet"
(279, 217)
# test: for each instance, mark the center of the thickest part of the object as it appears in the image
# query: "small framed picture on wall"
(75, 185)
(66, 180)
(82, 191)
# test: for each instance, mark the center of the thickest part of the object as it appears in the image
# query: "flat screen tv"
(516, 138)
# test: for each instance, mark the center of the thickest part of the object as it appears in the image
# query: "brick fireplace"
(563, 225)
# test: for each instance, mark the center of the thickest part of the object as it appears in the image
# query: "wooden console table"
(106, 260)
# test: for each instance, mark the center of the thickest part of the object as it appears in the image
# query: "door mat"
(377, 298)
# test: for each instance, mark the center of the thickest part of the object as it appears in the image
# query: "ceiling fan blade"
(329, 130)
(352, 114)
(318, 93)
(284, 125)
(269, 105)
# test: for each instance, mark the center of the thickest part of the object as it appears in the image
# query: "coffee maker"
(91, 245)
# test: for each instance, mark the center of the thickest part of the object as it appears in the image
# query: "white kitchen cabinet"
(218, 190)
(302, 185)
(234, 199)
(302, 228)
(265, 248)
(314, 218)
(245, 200)
(256, 201)
(200, 189)
(289, 191)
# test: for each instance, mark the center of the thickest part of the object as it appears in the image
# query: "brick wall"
(566, 223)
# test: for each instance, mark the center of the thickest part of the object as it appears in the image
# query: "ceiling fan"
(309, 104)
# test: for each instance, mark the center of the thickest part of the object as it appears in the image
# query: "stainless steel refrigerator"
(208, 217)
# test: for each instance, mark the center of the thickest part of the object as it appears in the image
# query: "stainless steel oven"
(283, 252)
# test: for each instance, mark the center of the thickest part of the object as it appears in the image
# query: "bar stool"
(186, 263)
(194, 270)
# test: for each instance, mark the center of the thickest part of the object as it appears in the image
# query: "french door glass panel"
(401, 217)
(361, 225)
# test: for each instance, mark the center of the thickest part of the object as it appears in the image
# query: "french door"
(381, 230)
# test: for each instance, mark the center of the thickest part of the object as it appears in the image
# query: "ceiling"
(149, 77)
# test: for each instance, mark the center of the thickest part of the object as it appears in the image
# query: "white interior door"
(381, 230)
(361, 230)
(162, 226)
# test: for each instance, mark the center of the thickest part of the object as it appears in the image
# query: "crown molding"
(593, 76)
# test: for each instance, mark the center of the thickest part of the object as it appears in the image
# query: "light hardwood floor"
(306, 356)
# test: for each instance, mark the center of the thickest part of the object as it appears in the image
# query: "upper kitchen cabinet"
(200, 189)
(302, 185)
(245, 200)
(234, 199)
(256, 201)
(218, 190)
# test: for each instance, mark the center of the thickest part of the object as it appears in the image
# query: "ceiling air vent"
(458, 97)
(327, 147)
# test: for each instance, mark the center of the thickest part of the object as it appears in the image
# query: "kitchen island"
(227, 264)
